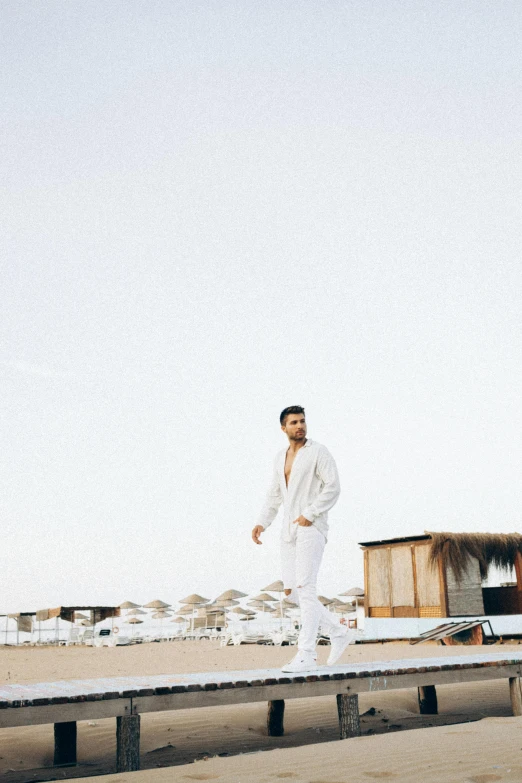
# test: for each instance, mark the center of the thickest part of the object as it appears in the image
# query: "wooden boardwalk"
(65, 702)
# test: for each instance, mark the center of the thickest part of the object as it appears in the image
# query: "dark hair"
(287, 411)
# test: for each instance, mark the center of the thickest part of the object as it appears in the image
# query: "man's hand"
(302, 521)
(256, 532)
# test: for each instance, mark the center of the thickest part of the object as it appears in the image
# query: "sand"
(310, 750)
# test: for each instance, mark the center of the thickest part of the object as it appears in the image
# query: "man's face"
(295, 426)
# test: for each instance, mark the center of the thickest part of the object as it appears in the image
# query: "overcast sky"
(213, 210)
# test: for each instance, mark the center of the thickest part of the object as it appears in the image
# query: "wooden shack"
(441, 575)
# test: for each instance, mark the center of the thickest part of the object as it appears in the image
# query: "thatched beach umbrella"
(343, 608)
(275, 587)
(135, 612)
(264, 597)
(324, 600)
(193, 601)
(129, 605)
(229, 595)
(133, 621)
(226, 604)
(161, 615)
(261, 605)
(156, 604)
(243, 614)
(355, 592)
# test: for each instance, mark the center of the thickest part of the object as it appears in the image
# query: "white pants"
(300, 561)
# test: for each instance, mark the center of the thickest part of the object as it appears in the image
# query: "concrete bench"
(65, 702)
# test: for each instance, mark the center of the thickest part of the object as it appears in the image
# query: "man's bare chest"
(289, 462)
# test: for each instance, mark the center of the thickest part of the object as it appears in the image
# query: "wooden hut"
(441, 575)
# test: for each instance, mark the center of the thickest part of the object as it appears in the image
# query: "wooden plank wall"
(379, 577)
(402, 583)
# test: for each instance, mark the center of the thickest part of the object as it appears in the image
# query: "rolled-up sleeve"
(326, 471)
(273, 500)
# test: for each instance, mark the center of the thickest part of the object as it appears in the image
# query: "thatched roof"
(457, 550)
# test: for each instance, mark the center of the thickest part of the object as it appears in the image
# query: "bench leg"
(274, 719)
(65, 743)
(515, 694)
(427, 700)
(128, 743)
(348, 711)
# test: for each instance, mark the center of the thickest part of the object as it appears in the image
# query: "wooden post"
(65, 743)
(518, 572)
(128, 743)
(427, 700)
(348, 711)
(274, 720)
(515, 693)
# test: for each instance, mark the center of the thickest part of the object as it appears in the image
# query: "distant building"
(441, 575)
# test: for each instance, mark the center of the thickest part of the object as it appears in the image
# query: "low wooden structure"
(127, 698)
(441, 575)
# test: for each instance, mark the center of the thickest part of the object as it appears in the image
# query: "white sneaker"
(302, 662)
(339, 643)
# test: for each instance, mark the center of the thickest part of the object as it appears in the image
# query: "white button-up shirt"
(313, 489)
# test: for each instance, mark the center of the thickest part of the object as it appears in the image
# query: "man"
(306, 482)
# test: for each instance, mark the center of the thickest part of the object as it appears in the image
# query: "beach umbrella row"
(228, 600)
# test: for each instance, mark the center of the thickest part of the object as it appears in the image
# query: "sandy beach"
(218, 743)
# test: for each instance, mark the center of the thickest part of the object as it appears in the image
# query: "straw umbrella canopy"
(79, 616)
(179, 619)
(264, 597)
(185, 610)
(275, 587)
(194, 600)
(289, 604)
(157, 604)
(129, 605)
(342, 608)
(231, 595)
(259, 605)
(225, 603)
(324, 600)
(135, 612)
